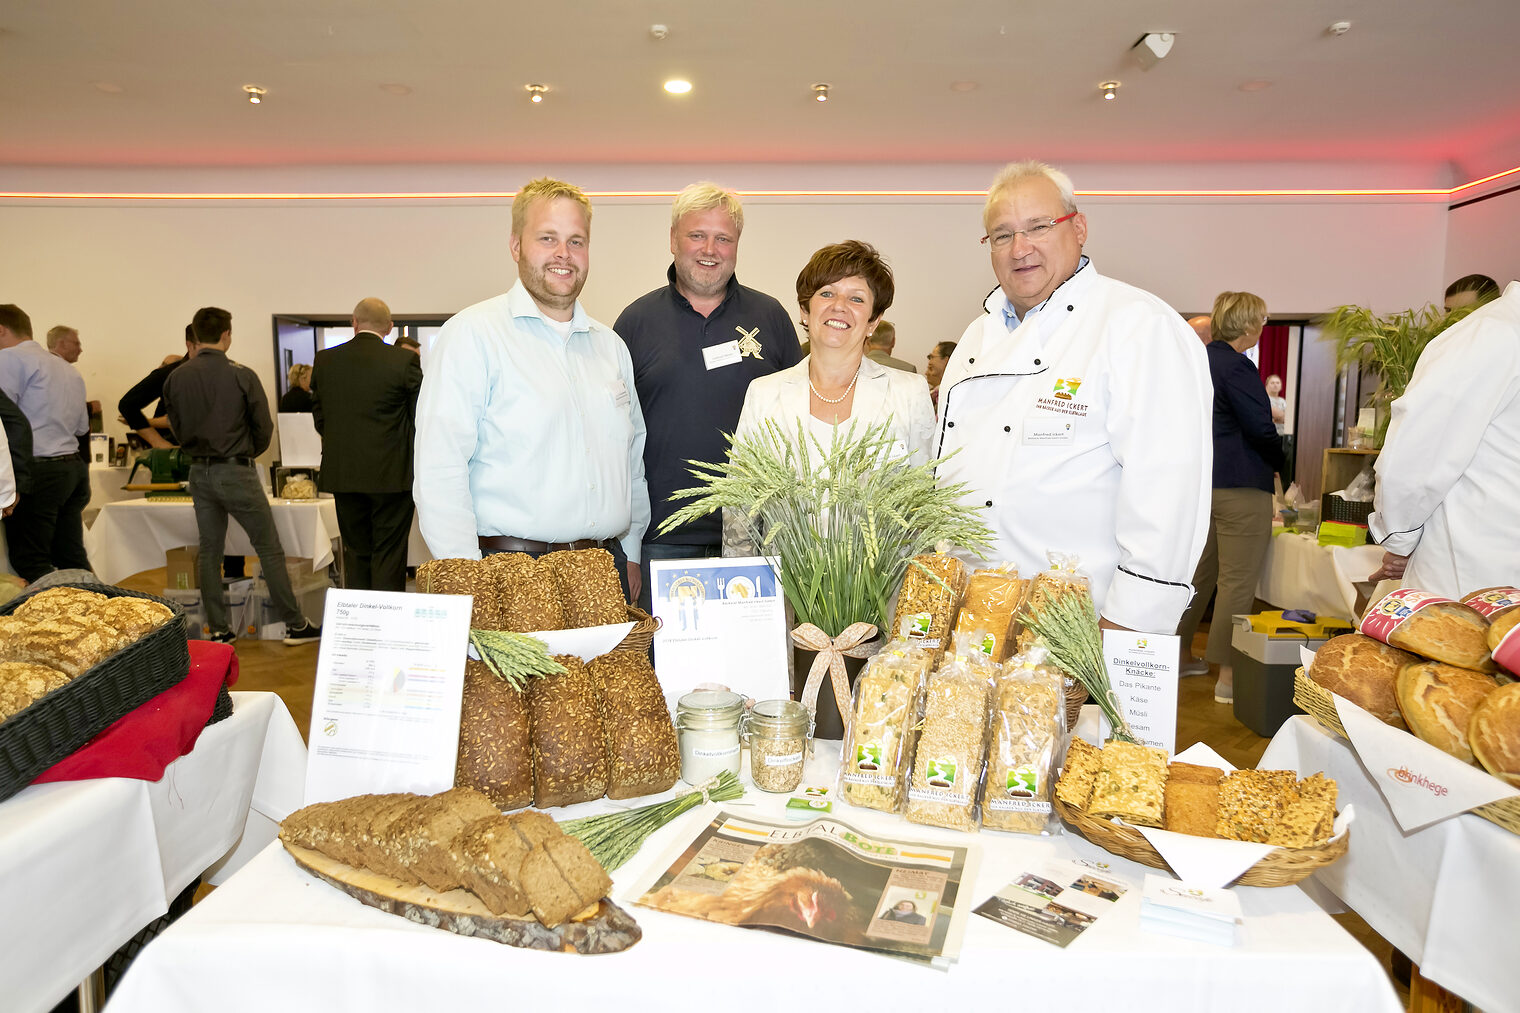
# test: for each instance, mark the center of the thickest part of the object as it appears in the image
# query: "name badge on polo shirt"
(725, 353)
(1047, 432)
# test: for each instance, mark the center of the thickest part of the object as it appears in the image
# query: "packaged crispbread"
(947, 762)
(1028, 718)
(877, 749)
(987, 608)
(927, 601)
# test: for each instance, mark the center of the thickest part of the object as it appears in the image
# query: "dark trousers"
(375, 528)
(46, 530)
(619, 561)
(220, 490)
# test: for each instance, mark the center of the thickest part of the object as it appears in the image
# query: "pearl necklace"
(834, 400)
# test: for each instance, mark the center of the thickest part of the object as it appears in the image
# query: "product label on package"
(941, 772)
(1393, 610)
(1493, 601)
(945, 797)
(1017, 805)
(875, 780)
(918, 625)
(1023, 782)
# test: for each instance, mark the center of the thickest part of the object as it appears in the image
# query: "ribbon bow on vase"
(831, 652)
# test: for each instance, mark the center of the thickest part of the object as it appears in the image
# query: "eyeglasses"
(1034, 233)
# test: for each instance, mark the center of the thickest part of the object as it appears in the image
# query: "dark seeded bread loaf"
(640, 741)
(495, 739)
(569, 764)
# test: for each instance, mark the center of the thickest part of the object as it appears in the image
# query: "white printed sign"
(1142, 669)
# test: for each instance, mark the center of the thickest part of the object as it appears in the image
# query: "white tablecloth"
(131, 536)
(84, 865)
(1299, 573)
(106, 483)
(316, 948)
(1447, 896)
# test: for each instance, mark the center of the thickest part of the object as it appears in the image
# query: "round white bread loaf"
(1494, 733)
(1364, 671)
(1501, 626)
(1448, 632)
(1438, 702)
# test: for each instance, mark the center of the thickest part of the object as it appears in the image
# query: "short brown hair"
(14, 319)
(944, 349)
(541, 189)
(1237, 314)
(210, 324)
(846, 260)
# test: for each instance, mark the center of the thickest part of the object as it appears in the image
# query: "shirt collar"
(1011, 318)
(521, 304)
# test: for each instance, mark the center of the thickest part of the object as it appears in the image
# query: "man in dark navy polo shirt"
(696, 343)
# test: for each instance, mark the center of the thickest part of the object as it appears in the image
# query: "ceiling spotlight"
(1109, 90)
(821, 92)
(536, 92)
(658, 32)
(677, 86)
(1338, 28)
(255, 93)
(1152, 48)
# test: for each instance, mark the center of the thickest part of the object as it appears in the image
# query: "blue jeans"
(222, 489)
(660, 550)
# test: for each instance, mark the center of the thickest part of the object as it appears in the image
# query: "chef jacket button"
(989, 502)
(1070, 308)
(1037, 362)
(971, 361)
(1007, 429)
(949, 425)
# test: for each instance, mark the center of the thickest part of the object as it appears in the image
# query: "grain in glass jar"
(777, 732)
(707, 725)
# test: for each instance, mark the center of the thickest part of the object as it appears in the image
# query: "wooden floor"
(290, 672)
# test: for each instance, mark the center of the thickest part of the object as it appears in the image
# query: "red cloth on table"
(147, 740)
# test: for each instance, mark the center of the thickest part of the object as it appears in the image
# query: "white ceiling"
(158, 82)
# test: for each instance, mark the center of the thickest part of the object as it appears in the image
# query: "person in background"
(1278, 402)
(1247, 450)
(696, 342)
(934, 371)
(18, 439)
(1082, 407)
(1449, 471)
(8, 495)
(298, 397)
(410, 343)
(364, 403)
(45, 531)
(150, 389)
(63, 342)
(221, 415)
(529, 433)
(1203, 327)
(1470, 289)
(880, 344)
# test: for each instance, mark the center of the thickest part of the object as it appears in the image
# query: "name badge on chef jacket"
(1048, 432)
(724, 353)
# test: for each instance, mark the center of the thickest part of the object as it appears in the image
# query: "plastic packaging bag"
(1028, 726)
(873, 764)
(992, 597)
(1060, 580)
(927, 604)
(947, 763)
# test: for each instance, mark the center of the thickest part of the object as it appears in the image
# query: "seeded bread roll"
(569, 762)
(495, 739)
(529, 596)
(1438, 702)
(1447, 632)
(1364, 671)
(640, 741)
(465, 576)
(1494, 733)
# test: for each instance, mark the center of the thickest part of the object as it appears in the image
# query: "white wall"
(130, 274)
(1484, 238)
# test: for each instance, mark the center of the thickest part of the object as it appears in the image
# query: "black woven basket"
(1334, 508)
(68, 717)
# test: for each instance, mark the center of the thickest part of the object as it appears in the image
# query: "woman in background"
(1247, 450)
(298, 397)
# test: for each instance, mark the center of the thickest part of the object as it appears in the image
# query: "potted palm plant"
(842, 521)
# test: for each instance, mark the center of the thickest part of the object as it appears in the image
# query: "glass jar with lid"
(777, 732)
(707, 726)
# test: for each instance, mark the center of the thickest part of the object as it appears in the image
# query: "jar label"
(783, 760)
(715, 754)
(1017, 805)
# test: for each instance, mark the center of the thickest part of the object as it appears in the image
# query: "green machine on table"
(168, 473)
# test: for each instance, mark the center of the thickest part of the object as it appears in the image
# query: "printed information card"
(390, 678)
(1056, 901)
(1142, 669)
(723, 621)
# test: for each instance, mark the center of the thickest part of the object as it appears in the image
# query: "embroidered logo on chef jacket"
(749, 342)
(1067, 389)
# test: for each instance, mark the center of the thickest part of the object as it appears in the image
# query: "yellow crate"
(1274, 625)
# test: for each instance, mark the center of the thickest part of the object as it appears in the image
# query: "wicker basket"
(1076, 696)
(641, 637)
(1319, 702)
(1282, 867)
(58, 724)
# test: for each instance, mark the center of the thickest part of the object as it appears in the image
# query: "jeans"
(222, 489)
(660, 550)
(46, 530)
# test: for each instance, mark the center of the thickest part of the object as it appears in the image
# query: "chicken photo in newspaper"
(824, 881)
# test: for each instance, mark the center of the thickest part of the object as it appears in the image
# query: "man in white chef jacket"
(1081, 408)
(1448, 477)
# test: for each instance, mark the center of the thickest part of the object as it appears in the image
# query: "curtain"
(1272, 354)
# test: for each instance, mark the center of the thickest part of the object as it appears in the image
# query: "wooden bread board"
(606, 929)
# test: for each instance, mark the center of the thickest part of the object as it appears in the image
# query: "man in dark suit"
(364, 403)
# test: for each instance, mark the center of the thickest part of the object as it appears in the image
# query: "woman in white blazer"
(843, 292)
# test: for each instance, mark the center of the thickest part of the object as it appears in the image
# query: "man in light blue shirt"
(45, 532)
(529, 433)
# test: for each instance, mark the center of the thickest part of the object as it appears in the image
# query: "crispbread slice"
(1300, 824)
(1076, 784)
(1129, 784)
(1117, 754)
(1191, 807)
(1192, 773)
(1251, 802)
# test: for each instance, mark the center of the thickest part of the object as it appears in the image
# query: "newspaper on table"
(822, 880)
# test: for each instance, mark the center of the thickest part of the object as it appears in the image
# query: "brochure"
(1057, 901)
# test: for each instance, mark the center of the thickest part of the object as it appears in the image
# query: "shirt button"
(971, 361)
(1070, 308)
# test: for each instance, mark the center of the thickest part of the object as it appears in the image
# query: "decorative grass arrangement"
(844, 521)
(613, 838)
(1068, 626)
(514, 657)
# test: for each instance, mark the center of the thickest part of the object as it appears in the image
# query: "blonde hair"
(1237, 314)
(295, 372)
(541, 189)
(1014, 173)
(706, 196)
